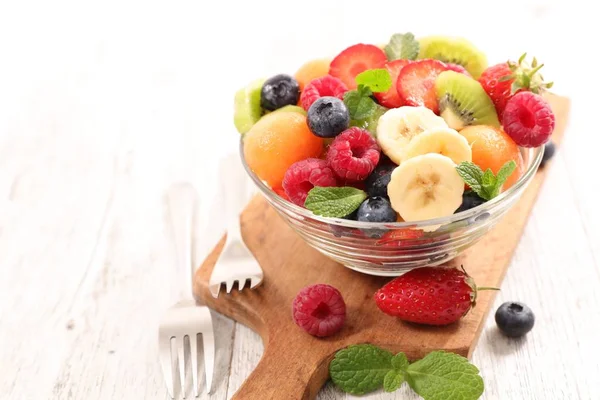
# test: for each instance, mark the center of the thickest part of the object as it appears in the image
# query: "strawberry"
(416, 83)
(354, 60)
(429, 295)
(391, 99)
(502, 81)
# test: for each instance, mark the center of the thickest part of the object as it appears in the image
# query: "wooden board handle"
(279, 376)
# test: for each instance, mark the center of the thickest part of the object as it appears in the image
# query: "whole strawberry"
(502, 81)
(430, 295)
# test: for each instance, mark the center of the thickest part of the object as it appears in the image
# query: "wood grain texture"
(290, 264)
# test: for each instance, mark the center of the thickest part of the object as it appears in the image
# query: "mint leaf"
(503, 173)
(359, 103)
(488, 182)
(400, 362)
(360, 369)
(473, 176)
(393, 380)
(336, 202)
(378, 80)
(402, 46)
(441, 376)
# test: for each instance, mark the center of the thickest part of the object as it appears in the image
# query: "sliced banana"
(398, 126)
(444, 141)
(426, 187)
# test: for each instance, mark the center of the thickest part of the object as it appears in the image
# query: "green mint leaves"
(485, 184)
(360, 369)
(364, 368)
(335, 202)
(441, 374)
(378, 80)
(396, 376)
(402, 45)
(359, 102)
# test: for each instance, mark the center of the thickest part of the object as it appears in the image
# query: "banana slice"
(444, 141)
(426, 187)
(398, 126)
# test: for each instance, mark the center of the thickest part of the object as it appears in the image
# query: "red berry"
(396, 237)
(499, 91)
(321, 87)
(416, 83)
(281, 193)
(430, 295)
(457, 68)
(354, 60)
(528, 119)
(319, 310)
(303, 176)
(391, 99)
(353, 154)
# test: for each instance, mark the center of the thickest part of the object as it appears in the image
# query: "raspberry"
(528, 119)
(319, 310)
(353, 154)
(321, 87)
(303, 176)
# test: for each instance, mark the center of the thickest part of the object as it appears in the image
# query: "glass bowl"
(391, 249)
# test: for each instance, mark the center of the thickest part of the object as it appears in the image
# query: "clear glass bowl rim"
(534, 162)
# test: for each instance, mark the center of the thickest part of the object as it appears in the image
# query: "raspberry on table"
(303, 175)
(319, 310)
(321, 87)
(528, 119)
(353, 154)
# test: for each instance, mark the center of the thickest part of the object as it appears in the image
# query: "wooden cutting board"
(294, 364)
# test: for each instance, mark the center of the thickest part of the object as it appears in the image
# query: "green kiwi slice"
(291, 108)
(463, 101)
(454, 50)
(246, 106)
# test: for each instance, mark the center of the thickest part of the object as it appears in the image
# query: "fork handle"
(235, 193)
(181, 198)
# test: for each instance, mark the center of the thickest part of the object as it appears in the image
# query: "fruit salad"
(414, 130)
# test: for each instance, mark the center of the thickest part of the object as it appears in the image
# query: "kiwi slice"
(246, 106)
(291, 108)
(454, 50)
(370, 123)
(463, 101)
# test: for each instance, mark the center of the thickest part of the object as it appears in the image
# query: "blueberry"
(376, 209)
(278, 91)
(470, 200)
(328, 117)
(514, 319)
(549, 150)
(376, 183)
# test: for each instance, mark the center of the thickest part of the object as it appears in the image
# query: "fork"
(236, 263)
(185, 319)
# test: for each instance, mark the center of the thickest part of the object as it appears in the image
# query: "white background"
(103, 104)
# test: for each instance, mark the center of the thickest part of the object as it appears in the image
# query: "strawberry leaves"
(485, 184)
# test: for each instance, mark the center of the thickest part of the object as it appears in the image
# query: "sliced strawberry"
(416, 83)
(391, 99)
(354, 60)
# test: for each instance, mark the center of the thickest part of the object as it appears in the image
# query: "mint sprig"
(335, 202)
(440, 375)
(485, 184)
(443, 376)
(402, 46)
(359, 102)
(378, 80)
(360, 369)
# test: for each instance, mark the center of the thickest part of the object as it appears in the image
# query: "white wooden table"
(104, 104)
